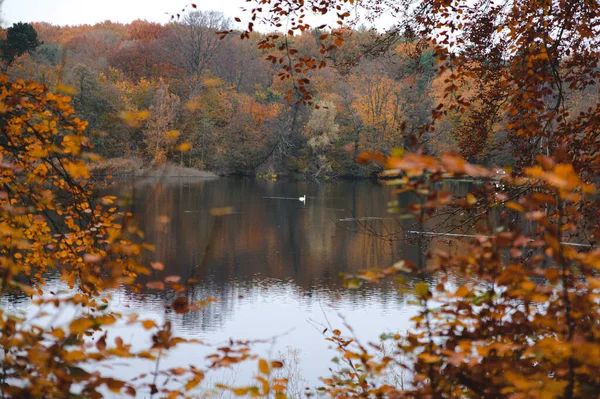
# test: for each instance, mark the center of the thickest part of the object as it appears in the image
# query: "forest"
(500, 276)
(226, 99)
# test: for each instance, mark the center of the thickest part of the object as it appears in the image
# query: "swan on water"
(303, 198)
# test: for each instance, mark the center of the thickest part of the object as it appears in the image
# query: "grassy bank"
(138, 167)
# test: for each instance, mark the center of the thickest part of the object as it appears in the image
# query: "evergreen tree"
(20, 39)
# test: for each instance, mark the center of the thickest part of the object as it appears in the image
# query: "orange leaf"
(148, 324)
(183, 147)
(462, 291)
(427, 358)
(157, 265)
(263, 366)
(156, 285)
(172, 279)
(594, 283)
(514, 206)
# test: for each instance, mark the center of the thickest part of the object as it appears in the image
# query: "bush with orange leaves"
(513, 311)
(52, 223)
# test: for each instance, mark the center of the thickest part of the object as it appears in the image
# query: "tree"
(47, 213)
(241, 64)
(523, 317)
(89, 100)
(52, 222)
(21, 38)
(245, 143)
(379, 104)
(514, 313)
(198, 43)
(321, 131)
(159, 131)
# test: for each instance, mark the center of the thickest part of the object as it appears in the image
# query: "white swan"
(303, 198)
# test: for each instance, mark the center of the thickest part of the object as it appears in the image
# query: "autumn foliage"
(51, 221)
(512, 312)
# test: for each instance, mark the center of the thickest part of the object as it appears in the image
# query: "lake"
(274, 264)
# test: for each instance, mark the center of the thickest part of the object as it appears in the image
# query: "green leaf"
(422, 289)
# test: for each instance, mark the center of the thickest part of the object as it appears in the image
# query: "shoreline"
(136, 167)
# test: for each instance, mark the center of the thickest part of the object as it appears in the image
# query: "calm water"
(273, 265)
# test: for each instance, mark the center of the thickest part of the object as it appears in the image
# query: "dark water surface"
(273, 265)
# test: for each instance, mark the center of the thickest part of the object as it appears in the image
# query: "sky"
(77, 12)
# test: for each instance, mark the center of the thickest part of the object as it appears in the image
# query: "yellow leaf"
(173, 134)
(75, 356)
(184, 147)
(278, 388)
(421, 289)
(106, 320)
(263, 366)
(471, 200)
(133, 118)
(265, 385)
(58, 333)
(108, 199)
(65, 89)
(191, 384)
(352, 284)
(228, 210)
(77, 170)
(193, 105)
(398, 152)
(241, 391)
(79, 326)
(514, 206)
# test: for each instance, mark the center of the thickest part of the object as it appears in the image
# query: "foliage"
(20, 38)
(51, 222)
(321, 131)
(523, 318)
(117, 68)
(159, 132)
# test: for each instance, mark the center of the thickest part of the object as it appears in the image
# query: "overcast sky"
(76, 12)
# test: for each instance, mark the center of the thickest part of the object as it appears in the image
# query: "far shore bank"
(137, 167)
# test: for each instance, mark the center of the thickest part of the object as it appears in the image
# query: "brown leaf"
(181, 305)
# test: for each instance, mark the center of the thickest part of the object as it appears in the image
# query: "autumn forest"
(344, 210)
(224, 97)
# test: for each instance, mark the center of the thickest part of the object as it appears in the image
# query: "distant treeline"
(145, 88)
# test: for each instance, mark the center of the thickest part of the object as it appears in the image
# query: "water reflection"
(269, 238)
(276, 245)
(274, 264)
